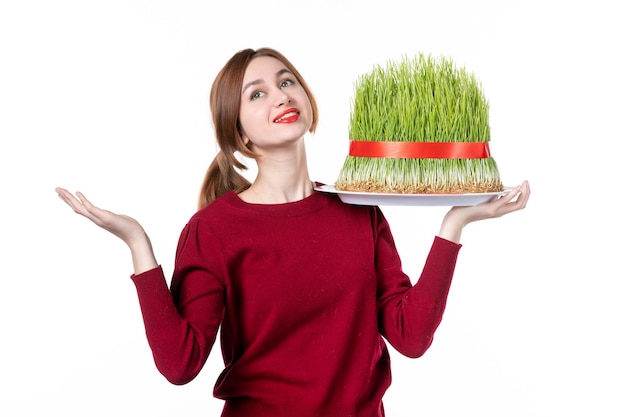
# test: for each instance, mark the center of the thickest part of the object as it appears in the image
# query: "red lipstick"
(288, 116)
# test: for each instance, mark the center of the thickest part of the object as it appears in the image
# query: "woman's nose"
(283, 98)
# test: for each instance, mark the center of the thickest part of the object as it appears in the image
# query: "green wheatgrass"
(419, 99)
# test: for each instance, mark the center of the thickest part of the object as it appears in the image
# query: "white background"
(110, 98)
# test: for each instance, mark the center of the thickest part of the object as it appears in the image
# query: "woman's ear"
(244, 138)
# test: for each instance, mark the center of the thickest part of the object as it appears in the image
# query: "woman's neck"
(280, 180)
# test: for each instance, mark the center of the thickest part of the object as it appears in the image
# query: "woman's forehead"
(263, 65)
(262, 69)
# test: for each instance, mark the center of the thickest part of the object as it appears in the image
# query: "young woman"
(306, 290)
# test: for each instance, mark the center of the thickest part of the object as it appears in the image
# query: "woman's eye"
(286, 83)
(255, 95)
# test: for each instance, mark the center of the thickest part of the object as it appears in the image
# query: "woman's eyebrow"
(250, 84)
(260, 81)
(282, 71)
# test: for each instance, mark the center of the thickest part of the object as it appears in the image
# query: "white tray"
(397, 199)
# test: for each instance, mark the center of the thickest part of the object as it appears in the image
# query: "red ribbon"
(448, 150)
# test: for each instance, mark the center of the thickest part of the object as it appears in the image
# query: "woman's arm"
(458, 217)
(181, 331)
(124, 227)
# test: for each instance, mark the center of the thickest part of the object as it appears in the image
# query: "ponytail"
(222, 177)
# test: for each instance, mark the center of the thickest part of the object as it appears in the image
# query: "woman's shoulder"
(218, 206)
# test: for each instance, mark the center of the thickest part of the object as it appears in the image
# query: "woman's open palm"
(122, 226)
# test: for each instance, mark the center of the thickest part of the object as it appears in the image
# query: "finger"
(524, 196)
(81, 205)
(88, 206)
(69, 199)
(521, 199)
(513, 193)
(97, 215)
(524, 191)
(62, 193)
(85, 202)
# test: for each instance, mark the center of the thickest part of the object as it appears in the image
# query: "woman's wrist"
(451, 227)
(142, 254)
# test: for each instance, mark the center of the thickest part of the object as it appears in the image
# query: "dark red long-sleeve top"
(305, 293)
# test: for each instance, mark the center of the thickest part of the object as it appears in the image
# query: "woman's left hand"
(460, 216)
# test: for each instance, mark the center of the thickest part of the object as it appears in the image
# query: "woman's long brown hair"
(225, 101)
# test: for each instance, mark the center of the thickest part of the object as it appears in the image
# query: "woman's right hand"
(122, 226)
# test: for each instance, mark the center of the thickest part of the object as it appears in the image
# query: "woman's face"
(275, 109)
